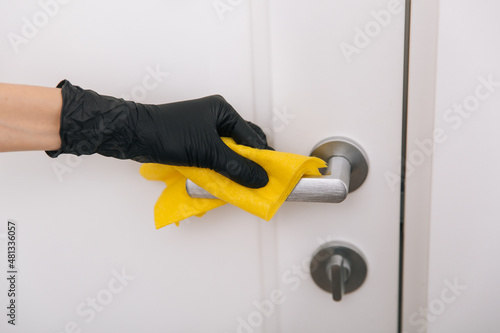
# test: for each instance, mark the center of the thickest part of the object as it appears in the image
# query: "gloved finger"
(243, 134)
(238, 168)
(230, 123)
(260, 133)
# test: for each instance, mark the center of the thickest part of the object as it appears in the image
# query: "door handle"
(346, 171)
(338, 268)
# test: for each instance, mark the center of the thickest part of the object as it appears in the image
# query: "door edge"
(421, 89)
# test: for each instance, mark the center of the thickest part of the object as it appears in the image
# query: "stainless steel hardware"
(347, 170)
(338, 268)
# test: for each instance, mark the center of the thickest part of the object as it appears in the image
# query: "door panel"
(97, 217)
(361, 100)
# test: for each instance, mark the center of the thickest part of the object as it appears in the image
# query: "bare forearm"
(29, 117)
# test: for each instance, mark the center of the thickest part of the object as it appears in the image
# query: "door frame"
(416, 203)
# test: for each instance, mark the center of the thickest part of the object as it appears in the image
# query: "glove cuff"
(92, 123)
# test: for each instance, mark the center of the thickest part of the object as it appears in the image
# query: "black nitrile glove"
(183, 133)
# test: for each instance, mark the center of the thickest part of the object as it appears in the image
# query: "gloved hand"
(183, 133)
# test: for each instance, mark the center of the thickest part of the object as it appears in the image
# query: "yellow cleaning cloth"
(283, 169)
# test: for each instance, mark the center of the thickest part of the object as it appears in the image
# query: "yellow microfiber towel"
(284, 171)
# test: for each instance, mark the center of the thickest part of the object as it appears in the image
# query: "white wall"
(465, 217)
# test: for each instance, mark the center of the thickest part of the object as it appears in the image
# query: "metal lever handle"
(346, 171)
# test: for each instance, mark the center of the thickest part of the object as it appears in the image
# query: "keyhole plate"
(351, 254)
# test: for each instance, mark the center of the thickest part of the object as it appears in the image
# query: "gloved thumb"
(238, 168)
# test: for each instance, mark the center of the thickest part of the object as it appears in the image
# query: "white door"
(88, 256)
(338, 68)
